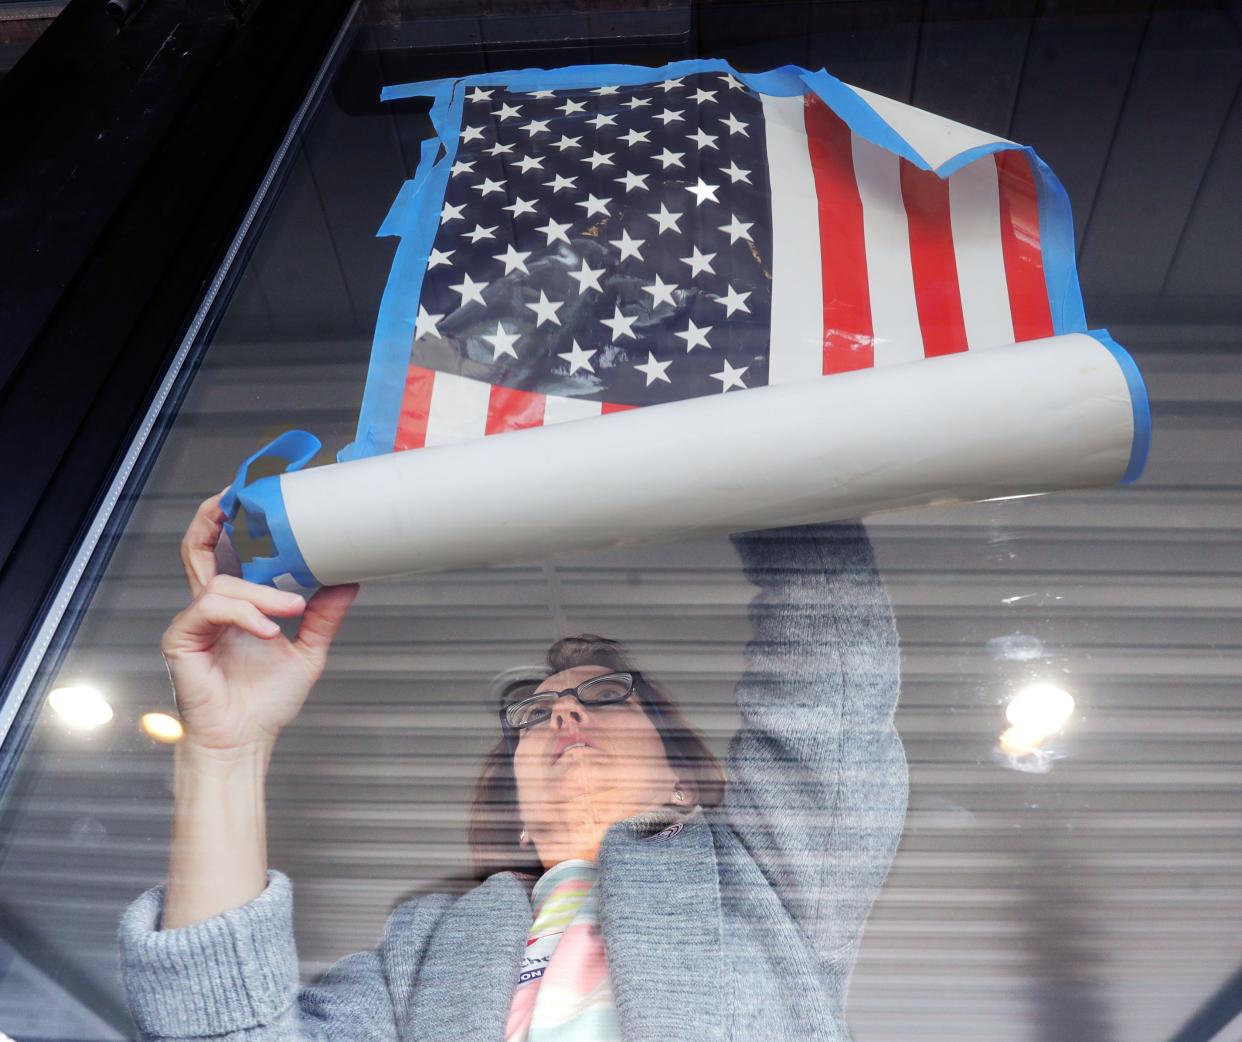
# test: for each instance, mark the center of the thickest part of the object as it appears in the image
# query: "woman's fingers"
(324, 614)
(227, 601)
(198, 547)
(265, 598)
(199, 626)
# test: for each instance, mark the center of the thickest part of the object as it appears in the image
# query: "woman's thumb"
(324, 614)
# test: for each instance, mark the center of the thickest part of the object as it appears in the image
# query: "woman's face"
(587, 767)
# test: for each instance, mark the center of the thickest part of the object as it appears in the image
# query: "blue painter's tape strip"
(1141, 444)
(296, 448)
(402, 206)
(421, 89)
(441, 94)
(426, 163)
(265, 499)
(579, 77)
(414, 216)
(950, 167)
(785, 81)
(864, 121)
(1056, 242)
(265, 509)
(860, 117)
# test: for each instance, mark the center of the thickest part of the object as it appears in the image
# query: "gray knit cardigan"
(741, 924)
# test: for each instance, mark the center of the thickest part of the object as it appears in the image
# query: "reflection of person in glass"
(631, 888)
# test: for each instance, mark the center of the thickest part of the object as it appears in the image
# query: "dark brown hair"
(493, 824)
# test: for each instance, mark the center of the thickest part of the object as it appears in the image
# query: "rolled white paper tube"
(1035, 417)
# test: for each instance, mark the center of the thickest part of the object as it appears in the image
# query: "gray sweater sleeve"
(818, 780)
(234, 977)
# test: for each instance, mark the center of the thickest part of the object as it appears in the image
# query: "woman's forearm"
(817, 774)
(218, 859)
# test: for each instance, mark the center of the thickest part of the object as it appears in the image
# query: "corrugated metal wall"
(1098, 901)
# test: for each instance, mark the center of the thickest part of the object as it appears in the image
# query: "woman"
(702, 917)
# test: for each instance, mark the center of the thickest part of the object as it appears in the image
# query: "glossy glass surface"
(1082, 888)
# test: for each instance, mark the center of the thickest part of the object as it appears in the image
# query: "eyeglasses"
(608, 689)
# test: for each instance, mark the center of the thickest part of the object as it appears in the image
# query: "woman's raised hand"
(238, 680)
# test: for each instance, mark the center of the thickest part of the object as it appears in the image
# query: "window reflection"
(1094, 900)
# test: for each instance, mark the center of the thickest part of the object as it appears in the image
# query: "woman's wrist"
(203, 759)
(218, 858)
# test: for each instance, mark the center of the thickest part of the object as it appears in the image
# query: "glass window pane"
(1068, 866)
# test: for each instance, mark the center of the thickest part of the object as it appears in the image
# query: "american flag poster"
(838, 305)
(587, 240)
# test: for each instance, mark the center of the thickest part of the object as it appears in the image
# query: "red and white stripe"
(900, 265)
(442, 408)
(910, 265)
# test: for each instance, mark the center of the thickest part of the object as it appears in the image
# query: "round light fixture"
(1018, 742)
(162, 727)
(80, 706)
(1039, 710)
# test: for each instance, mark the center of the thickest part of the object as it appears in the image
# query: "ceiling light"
(1016, 741)
(1039, 710)
(80, 706)
(162, 727)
